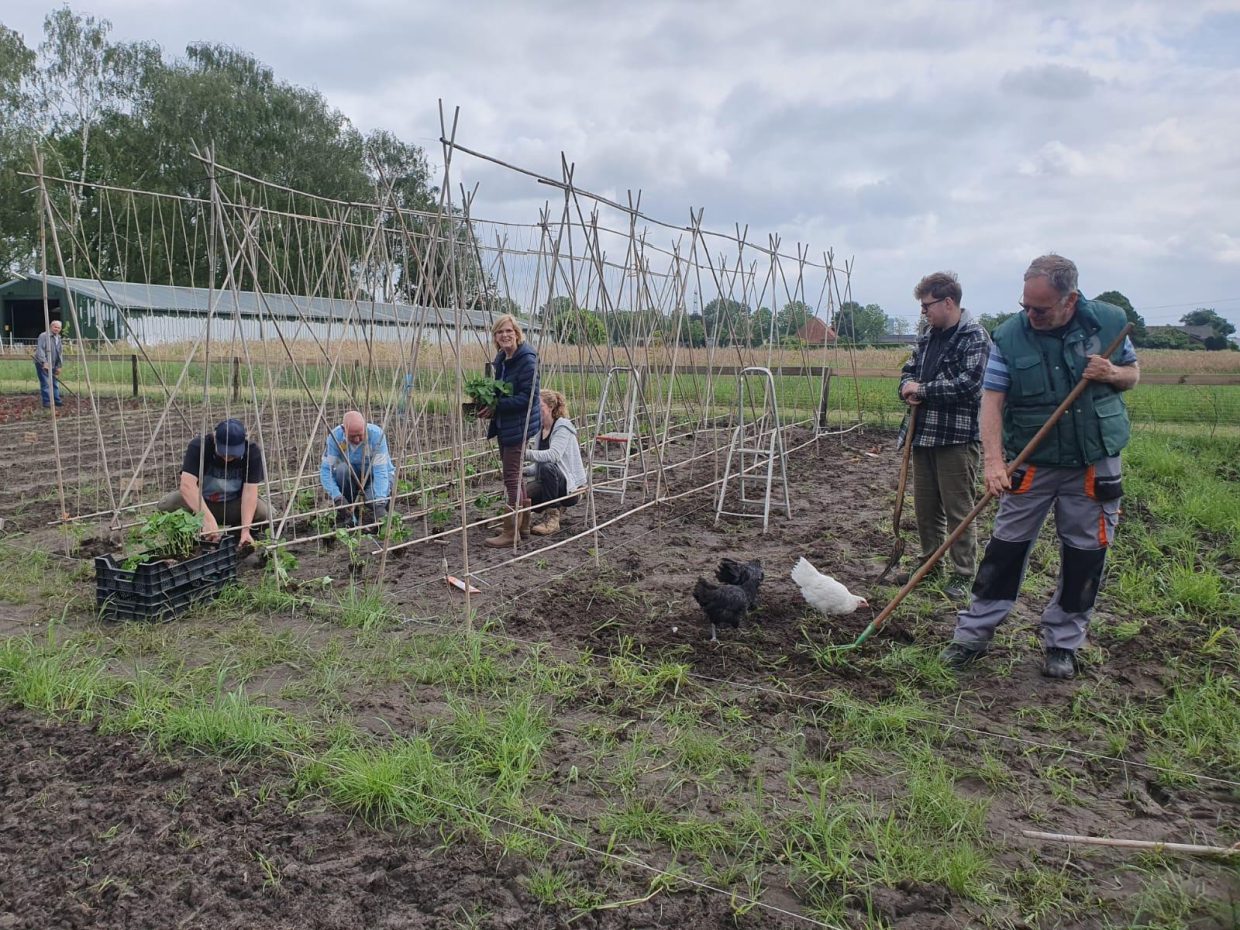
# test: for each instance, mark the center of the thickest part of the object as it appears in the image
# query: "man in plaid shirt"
(942, 384)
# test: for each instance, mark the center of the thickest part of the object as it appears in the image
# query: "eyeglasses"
(1029, 308)
(926, 307)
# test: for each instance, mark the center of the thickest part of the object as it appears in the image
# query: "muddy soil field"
(102, 830)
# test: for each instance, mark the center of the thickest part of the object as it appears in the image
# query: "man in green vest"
(1036, 360)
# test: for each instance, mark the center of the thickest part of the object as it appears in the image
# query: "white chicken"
(824, 593)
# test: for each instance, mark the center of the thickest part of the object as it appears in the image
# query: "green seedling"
(393, 529)
(304, 501)
(167, 536)
(486, 501)
(352, 545)
(280, 564)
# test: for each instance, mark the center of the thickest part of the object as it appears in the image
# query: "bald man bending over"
(356, 471)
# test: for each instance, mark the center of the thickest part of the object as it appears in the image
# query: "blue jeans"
(347, 483)
(46, 389)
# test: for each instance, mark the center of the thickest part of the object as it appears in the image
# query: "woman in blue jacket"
(514, 419)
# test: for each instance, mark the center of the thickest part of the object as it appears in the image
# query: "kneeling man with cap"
(220, 475)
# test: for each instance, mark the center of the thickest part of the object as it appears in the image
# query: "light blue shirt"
(370, 456)
(997, 377)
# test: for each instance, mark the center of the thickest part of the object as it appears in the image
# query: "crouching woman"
(554, 468)
(515, 418)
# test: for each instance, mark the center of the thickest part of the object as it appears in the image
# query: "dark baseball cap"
(230, 438)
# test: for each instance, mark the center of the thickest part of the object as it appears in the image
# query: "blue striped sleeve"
(996, 377)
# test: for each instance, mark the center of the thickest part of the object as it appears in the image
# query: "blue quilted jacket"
(518, 416)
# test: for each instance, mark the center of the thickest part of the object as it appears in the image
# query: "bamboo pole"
(1188, 849)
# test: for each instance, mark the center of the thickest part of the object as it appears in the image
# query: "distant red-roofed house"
(813, 333)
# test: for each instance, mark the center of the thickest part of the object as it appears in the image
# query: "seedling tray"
(161, 590)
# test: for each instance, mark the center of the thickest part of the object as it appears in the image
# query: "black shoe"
(1060, 663)
(958, 587)
(962, 655)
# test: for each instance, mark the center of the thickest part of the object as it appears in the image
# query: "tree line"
(125, 115)
(723, 321)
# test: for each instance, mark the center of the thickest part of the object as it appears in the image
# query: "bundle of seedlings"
(485, 392)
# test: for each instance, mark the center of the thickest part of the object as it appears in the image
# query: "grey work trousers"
(944, 491)
(1086, 503)
(226, 514)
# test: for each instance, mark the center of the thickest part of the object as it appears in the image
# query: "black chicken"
(726, 603)
(747, 575)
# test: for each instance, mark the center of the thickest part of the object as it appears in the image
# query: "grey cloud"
(1050, 82)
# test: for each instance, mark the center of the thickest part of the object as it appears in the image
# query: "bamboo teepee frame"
(290, 376)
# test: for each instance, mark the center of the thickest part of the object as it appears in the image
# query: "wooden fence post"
(824, 398)
(133, 368)
(236, 379)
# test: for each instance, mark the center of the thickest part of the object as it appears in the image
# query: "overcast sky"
(913, 136)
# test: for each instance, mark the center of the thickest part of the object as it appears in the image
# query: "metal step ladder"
(757, 445)
(617, 438)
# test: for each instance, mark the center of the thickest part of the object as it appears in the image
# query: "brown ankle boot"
(550, 523)
(524, 525)
(507, 533)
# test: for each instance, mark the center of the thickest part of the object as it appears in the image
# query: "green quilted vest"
(1044, 368)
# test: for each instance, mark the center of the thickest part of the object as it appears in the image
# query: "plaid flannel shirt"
(951, 395)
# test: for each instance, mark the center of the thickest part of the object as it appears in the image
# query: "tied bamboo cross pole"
(877, 623)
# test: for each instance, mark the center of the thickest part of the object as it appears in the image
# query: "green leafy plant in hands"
(174, 535)
(486, 391)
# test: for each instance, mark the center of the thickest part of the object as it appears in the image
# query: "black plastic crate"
(159, 590)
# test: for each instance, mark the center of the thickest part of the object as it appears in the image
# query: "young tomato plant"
(174, 535)
(486, 391)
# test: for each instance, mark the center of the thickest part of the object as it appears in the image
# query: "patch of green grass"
(560, 888)
(645, 680)
(403, 782)
(32, 576)
(505, 745)
(365, 608)
(52, 676)
(1165, 901)
(642, 820)
(228, 723)
(1201, 724)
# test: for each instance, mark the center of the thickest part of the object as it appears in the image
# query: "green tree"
(790, 319)
(692, 331)
(760, 326)
(1204, 316)
(118, 114)
(1116, 299)
(991, 321)
(1168, 337)
(726, 321)
(563, 321)
(83, 76)
(18, 221)
(862, 325)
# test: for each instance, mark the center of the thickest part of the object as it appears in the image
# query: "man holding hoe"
(1037, 359)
